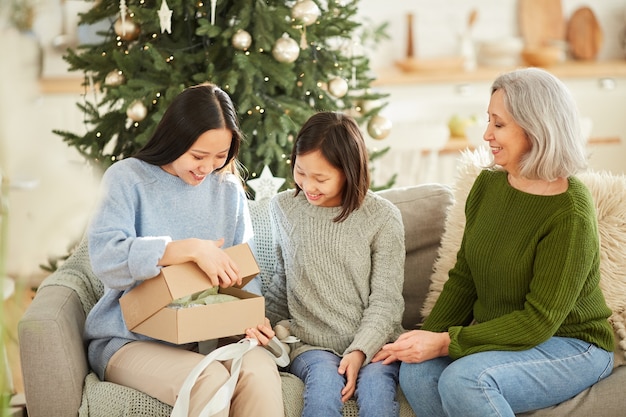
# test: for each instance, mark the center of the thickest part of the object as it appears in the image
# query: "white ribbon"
(222, 397)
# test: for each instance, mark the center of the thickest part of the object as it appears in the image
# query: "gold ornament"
(137, 111)
(126, 29)
(305, 12)
(338, 87)
(379, 127)
(114, 78)
(286, 50)
(242, 40)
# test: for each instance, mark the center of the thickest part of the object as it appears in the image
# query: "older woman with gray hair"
(521, 323)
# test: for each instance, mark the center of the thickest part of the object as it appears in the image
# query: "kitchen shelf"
(458, 144)
(394, 76)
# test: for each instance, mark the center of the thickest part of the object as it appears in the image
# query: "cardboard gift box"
(146, 311)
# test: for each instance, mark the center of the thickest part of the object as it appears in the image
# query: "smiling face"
(507, 140)
(321, 182)
(208, 153)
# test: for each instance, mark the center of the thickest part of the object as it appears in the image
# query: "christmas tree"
(280, 61)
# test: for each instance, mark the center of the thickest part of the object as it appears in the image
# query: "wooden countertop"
(433, 73)
(448, 72)
(457, 144)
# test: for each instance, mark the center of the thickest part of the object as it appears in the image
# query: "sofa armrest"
(52, 352)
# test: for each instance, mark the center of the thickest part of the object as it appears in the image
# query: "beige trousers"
(159, 370)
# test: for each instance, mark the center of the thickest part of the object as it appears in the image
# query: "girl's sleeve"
(243, 229)
(118, 257)
(383, 315)
(276, 306)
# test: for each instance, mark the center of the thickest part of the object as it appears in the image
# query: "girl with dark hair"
(340, 271)
(177, 200)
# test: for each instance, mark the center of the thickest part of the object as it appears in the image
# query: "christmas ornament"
(137, 111)
(379, 127)
(266, 186)
(126, 28)
(165, 17)
(242, 40)
(338, 87)
(213, 6)
(305, 12)
(114, 78)
(123, 10)
(286, 50)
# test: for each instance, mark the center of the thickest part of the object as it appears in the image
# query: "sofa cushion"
(423, 209)
(609, 194)
(263, 240)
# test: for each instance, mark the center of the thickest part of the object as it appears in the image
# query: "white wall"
(438, 23)
(45, 219)
(51, 187)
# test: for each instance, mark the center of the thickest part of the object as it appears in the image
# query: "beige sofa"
(58, 382)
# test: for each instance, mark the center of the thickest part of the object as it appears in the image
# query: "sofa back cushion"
(423, 209)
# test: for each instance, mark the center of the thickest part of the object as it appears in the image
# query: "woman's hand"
(349, 367)
(208, 255)
(414, 347)
(263, 333)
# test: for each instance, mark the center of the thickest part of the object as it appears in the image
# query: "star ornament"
(266, 186)
(165, 17)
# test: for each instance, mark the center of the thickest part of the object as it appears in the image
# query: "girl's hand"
(219, 267)
(416, 346)
(263, 333)
(350, 366)
(208, 255)
(384, 355)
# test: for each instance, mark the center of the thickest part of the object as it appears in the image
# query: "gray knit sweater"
(339, 282)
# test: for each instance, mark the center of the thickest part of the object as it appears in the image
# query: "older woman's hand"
(415, 346)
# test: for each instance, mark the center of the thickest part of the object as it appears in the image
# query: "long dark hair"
(194, 111)
(338, 137)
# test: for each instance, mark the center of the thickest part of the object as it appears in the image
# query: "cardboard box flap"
(176, 281)
(244, 258)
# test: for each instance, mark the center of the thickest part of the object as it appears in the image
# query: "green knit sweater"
(527, 269)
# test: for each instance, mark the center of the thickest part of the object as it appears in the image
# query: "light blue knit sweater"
(142, 209)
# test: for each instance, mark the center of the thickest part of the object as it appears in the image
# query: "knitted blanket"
(76, 274)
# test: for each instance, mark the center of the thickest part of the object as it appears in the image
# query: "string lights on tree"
(280, 61)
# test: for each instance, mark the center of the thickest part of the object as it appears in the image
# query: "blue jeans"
(503, 383)
(375, 387)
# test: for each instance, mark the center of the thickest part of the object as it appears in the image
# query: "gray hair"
(544, 108)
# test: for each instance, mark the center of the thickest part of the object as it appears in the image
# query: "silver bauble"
(137, 111)
(305, 12)
(286, 50)
(379, 127)
(242, 40)
(338, 87)
(114, 78)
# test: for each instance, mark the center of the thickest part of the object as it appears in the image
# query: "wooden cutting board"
(541, 21)
(584, 34)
